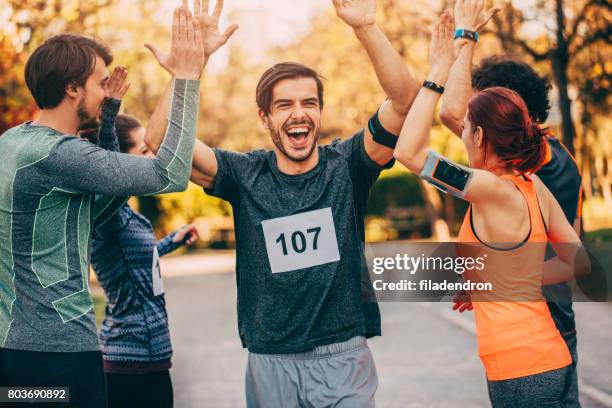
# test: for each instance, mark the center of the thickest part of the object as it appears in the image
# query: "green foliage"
(601, 235)
(397, 190)
(177, 209)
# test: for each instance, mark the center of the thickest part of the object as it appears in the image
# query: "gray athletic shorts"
(339, 375)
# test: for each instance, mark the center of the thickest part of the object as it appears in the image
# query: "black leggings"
(81, 372)
(152, 390)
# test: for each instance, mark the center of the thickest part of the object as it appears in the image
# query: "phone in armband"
(445, 175)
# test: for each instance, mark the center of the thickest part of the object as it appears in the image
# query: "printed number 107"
(298, 240)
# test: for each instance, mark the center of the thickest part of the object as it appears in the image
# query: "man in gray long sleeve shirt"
(47, 184)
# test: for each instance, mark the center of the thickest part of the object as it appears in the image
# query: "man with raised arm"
(48, 181)
(299, 218)
(559, 171)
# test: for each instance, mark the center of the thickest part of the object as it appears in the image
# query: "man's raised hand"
(212, 38)
(469, 14)
(356, 13)
(186, 58)
(117, 86)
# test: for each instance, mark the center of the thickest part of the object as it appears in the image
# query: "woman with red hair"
(511, 217)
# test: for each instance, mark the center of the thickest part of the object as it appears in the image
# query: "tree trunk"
(586, 179)
(603, 180)
(560, 61)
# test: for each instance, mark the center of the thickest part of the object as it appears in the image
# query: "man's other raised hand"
(212, 38)
(356, 13)
(186, 59)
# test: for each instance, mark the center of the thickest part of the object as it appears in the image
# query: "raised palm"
(441, 49)
(356, 13)
(470, 14)
(116, 86)
(186, 58)
(212, 38)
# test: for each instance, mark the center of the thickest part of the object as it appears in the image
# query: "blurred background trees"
(568, 40)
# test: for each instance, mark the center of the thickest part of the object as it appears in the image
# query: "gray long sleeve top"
(47, 186)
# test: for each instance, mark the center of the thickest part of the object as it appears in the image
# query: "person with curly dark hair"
(519, 76)
(510, 219)
(559, 171)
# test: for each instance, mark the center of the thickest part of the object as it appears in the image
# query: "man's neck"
(291, 167)
(61, 118)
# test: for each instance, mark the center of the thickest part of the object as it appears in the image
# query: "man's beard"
(88, 125)
(278, 142)
(86, 121)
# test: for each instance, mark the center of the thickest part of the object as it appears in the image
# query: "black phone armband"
(380, 134)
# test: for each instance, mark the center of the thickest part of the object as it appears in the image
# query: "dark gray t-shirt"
(300, 247)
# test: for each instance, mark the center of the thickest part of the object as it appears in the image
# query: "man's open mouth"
(298, 135)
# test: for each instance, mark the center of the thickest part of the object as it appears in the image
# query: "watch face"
(451, 175)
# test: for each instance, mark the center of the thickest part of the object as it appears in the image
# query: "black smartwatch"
(433, 86)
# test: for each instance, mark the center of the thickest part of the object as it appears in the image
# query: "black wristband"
(433, 86)
(380, 134)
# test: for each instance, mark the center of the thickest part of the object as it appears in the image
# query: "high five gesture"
(470, 14)
(356, 13)
(117, 85)
(186, 58)
(210, 40)
(441, 51)
(393, 75)
(212, 37)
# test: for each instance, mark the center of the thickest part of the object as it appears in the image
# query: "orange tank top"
(515, 331)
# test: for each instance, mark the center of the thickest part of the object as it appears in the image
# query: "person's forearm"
(204, 164)
(106, 206)
(166, 245)
(557, 269)
(85, 168)
(175, 155)
(158, 122)
(413, 142)
(392, 72)
(458, 89)
(108, 133)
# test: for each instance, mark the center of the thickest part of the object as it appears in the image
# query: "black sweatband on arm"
(380, 134)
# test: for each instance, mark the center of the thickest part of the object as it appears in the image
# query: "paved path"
(425, 358)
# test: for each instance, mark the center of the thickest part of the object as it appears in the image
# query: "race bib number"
(158, 283)
(301, 240)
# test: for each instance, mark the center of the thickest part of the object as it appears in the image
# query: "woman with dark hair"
(135, 337)
(511, 217)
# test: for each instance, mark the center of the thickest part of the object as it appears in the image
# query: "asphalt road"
(426, 357)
